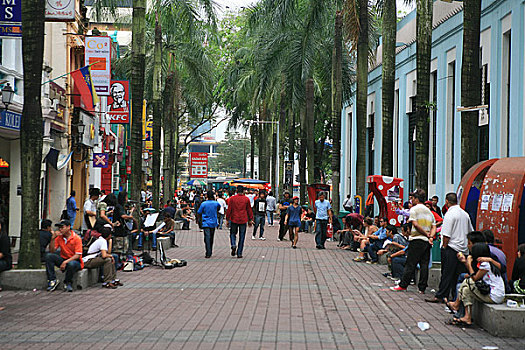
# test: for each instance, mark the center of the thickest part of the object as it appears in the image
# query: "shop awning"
(57, 160)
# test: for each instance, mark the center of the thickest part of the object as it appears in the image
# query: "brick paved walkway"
(274, 298)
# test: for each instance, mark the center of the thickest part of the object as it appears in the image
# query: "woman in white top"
(481, 268)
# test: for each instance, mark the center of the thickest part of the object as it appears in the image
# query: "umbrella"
(196, 182)
(254, 186)
(251, 181)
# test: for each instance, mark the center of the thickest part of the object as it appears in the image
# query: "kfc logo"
(118, 102)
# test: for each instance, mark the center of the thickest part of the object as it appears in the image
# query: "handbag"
(482, 287)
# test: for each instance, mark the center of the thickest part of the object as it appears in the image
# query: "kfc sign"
(118, 102)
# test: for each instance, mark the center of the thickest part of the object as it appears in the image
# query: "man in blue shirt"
(322, 217)
(376, 241)
(208, 211)
(71, 207)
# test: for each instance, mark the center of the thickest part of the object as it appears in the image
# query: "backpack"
(89, 237)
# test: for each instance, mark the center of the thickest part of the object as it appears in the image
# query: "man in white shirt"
(98, 255)
(456, 226)
(271, 205)
(222, 209)
(90, 209)
(251, 196)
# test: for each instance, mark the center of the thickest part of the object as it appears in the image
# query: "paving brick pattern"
(273, 298)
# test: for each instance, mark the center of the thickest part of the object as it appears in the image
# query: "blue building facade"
(501, 127)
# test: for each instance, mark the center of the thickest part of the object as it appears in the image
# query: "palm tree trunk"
(157, 114)
(174, 137)
(423, 48)
(337, 91)
(253, 133)
(31, 131)
(302, 158)
(310, 119)
(389, 74)
(470, 84)
(291, 146)
(282, 144)
(167, 128)
(273, 168)
(137, 91)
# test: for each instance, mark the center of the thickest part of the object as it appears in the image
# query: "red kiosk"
(387, 191)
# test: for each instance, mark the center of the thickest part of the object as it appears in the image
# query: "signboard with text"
(118, 102)
(10, 120)
(98, 55)
(11, 18)
(198, 165)
(60, 10)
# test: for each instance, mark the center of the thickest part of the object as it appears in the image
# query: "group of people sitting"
(472, 267)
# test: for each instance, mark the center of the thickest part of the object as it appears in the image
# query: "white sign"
(496, 202)
(60, 10)
(98, 55)
(485, 199)
(507, 202)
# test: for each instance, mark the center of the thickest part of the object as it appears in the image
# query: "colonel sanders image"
(118, 93)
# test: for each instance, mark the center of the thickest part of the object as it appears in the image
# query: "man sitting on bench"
(70, 258)
(98, 255)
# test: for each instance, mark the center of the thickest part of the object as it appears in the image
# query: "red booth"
(387, 191)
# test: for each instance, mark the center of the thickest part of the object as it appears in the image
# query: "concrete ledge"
(500, 320)
(36, 279)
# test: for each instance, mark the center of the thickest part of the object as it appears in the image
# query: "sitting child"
(518, 272)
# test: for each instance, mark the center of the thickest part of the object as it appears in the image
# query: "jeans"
(269, 215)
(72, 218)
(241, 229)
(221, 220)
(259, 222)
(418, 251)
(4, 265)
(171, 235)
(282, 227)
(185, 223)
(152, 235)
(450, 270)
(320, 232)
(53, 260)
(398, 265)
(374, 247)
(209, 234)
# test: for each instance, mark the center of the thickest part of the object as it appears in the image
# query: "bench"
(16, 279)
(499, 319)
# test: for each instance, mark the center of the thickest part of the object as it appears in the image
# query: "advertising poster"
(60, 10)
(118, 102)
(98, 57)
(198, 165)
(11, 19)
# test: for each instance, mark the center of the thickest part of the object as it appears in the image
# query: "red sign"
(198, 165)
(118, 102)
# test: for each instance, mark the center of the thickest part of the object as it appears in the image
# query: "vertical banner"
(288, 172)
(98, 55)
(118, 102)
(11, 19)
(147, 128)
(198, 165)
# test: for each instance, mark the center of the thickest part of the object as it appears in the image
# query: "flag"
(84, 84)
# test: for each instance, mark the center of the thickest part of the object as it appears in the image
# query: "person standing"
(293, 220)
(348, 204)
(90, 209)
(208, 211)
(259, 214)
(222, 210)
(322, 218)
(196, 205)
(418, 252)
(283, 207)
(71, 207)
(456, 226)
(238, 215)
(251, 196)
(271, 204)
(369, 205)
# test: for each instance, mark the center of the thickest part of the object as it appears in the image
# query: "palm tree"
(157, 112)
(337, 87)
(389, 17)
(31, 130)
(470, 83)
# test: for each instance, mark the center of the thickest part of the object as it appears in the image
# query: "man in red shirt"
(239, 214)
(70, 258)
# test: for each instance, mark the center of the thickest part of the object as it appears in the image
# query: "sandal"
(359, 259)
(451, 310)
(458, 323)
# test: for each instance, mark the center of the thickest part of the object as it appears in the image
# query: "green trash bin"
(341, 216)
(436, 251)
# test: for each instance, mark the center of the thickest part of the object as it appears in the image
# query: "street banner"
(100, 160)
(198, 165)
(147, 128)
(10, 120)
(84, 84)
(11, 19)
(98, 55)
(118, 102)
(59, 10)
(288, 172)
(128, 160)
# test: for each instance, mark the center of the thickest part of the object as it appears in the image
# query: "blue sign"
(10, 120)
(11, 18)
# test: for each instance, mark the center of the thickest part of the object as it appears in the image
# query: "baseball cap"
(63, 223)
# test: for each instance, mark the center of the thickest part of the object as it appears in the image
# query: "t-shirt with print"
(96, 248)
(259, 207)
(497, 286)
(424, 217)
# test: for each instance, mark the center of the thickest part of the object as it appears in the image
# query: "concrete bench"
(15, 279)
(499, 319)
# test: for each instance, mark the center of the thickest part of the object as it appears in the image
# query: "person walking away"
(71, 207)
(98, 255)
(348, 205)
(456, 226)
(418, 252)
(322, 217)
(259, 215)
(208, 211)
(293, 220)
(283, 206)
(196, 206)
(271, 205)
(90, 210)
(238, 215)
(369, 205)
(222, 210)
(70, 258)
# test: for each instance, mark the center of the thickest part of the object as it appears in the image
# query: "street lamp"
(7, 95)
(80, 131)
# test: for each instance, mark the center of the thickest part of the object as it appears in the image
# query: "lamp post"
(250, 122)
(7, 95)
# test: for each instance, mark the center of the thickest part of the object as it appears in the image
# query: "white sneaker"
(253, 237)
(262, 238)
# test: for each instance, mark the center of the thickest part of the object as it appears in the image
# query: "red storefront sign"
(118, 102)
(198, 165)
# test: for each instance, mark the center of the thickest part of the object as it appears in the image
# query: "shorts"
(294, 224)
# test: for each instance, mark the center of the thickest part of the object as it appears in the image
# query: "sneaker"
(262, 238)
(69, 287)
(279, 240)
(52, 285)
(207, 256)
(239, 256)
(398, 289)
(253, 237)
(387, 274)
(396, 280)
(234, 250)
